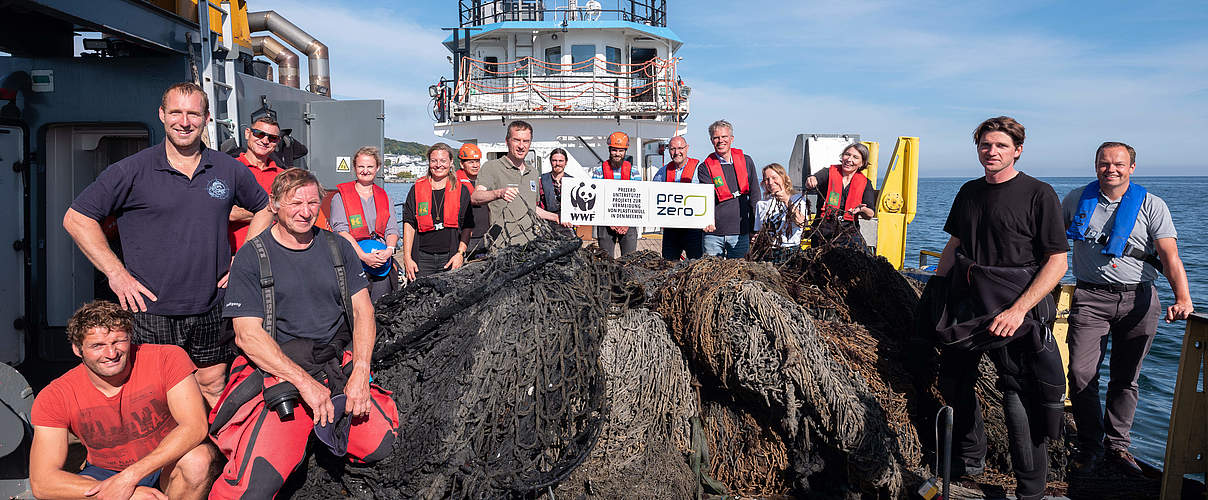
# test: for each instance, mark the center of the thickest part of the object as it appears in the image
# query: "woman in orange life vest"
(437, 220)
(847, 197)
(360, 211)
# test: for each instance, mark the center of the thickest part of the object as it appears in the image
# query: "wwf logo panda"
(583, 197)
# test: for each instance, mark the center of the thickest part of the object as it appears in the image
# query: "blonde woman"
(781, 208)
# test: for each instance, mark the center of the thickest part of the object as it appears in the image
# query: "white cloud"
(885, 69)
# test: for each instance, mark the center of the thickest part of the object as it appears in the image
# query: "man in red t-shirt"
(262, 138)
(137, 409)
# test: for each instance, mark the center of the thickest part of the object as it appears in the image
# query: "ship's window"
(580, 54)
(553, 57)
(643, 89)
(491, 64)
(613, 55)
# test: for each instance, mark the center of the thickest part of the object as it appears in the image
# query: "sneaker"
(1124, 461)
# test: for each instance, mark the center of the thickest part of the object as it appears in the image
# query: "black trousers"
(430, 263)
(379, 286)
(685, 241)
(1026, 404)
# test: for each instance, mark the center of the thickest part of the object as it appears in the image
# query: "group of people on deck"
(745, 205)
(243, 318)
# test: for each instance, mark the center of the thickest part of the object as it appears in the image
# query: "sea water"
(397, 191)
(1160, 367)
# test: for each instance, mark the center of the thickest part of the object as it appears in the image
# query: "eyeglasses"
(260, 134)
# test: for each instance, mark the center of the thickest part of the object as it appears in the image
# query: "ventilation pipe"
(316, 52)
(287, 60)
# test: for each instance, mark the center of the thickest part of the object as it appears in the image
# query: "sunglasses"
(260, 134)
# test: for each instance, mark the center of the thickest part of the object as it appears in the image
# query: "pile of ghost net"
(550, 370)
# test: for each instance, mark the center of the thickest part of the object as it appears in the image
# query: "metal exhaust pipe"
(287, 60)
(317, 58)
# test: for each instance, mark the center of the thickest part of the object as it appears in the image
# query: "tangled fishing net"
(550, 370)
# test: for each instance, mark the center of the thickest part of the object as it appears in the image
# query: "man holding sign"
(617, 168)
(680, 241)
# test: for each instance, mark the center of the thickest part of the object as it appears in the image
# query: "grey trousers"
(608, 240)
(1130, 320)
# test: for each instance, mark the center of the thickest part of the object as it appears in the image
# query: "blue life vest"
(1126, 218)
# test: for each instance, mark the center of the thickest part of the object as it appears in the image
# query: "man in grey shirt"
(508, 186)
(1120, 234)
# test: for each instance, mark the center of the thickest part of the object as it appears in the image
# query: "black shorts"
(200, 335)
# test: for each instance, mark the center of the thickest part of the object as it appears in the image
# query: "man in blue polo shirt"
(172, 202)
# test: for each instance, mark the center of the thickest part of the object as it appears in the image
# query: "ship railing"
(479, 12)
(530, 86)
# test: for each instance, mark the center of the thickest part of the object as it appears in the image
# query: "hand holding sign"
(623, 204)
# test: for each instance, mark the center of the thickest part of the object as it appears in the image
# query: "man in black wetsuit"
(1005, 225)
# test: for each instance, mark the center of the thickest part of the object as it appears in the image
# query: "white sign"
(604, 202)
(343, 164)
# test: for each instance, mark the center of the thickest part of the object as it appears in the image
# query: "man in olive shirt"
(508, 187)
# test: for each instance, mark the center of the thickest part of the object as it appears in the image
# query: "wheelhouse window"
(613, 56)
(581, 57)
(553, 58)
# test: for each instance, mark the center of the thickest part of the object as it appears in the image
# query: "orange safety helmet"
(469, 151)
(618, 140)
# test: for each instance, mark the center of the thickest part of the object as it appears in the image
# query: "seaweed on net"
(878, 341)
(642, 446)
(762, 354)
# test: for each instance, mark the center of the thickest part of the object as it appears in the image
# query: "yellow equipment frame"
(898, 199)
(238, 8)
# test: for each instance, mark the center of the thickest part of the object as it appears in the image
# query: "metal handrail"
(923, 254)
(594, 87)
(478, 12)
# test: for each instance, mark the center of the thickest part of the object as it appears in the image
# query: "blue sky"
(1074, 73)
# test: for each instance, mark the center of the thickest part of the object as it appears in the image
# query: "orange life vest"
(686, 175)
(356, 216)
(625, 169)
(465, 179)
(724, 191)
(423, 204)
(834, 192)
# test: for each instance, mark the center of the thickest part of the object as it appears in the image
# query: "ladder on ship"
(223, 54)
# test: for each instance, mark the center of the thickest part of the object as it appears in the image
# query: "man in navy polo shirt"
(172, 202)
